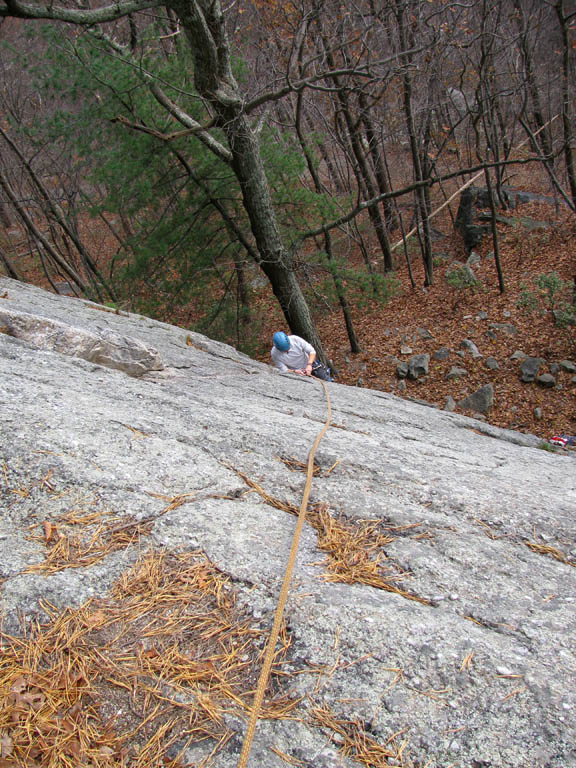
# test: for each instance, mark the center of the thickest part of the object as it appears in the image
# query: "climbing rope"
(275, 631)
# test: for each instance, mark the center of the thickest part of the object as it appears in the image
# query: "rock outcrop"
(460, 640)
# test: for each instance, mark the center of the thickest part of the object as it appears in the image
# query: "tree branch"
(190, 124)
(429, 182)
(74, 15)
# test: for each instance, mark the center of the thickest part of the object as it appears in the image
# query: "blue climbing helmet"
(281, 341)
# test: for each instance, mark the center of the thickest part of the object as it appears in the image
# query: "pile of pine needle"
(134, 678)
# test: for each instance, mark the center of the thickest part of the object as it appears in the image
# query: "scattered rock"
(568, 366)
(481, 400)
(482, 315)
(508, 328)
(406, 350)
(456, 373)
(441, 354)
(491, 363)
(402, 370)
(518, 355)
(473, 259)
(470, 347)
(546, 380)
(529, 368)
(538, 413)
(450, 404)
(424, 333)
(418, 366)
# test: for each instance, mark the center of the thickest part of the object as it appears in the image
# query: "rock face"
(97, 346)
(478, 197)
(464, 643)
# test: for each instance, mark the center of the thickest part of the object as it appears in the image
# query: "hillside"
(452, 314)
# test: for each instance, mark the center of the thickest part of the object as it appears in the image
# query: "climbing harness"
(275, 631)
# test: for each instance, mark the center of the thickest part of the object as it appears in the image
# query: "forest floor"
(452, 314)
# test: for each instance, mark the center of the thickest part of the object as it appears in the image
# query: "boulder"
(418, 366)
(402, 370)
(529, 368)
(473, 259)
(430, 602)
(465, 223)
(441, 354)
(469, 346)
(546, 380)
(480, 401)
(456, 373)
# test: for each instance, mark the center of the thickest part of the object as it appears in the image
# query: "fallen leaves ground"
(452, 315)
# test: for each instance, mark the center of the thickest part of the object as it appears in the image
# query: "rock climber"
(291, 353)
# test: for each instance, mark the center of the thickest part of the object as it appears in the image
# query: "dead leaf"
(68, 726)
(74, 748)
(75, 710)
(151, 653)
(19, 685)
(34, 700)
(50, 532)
(95, 619)
(6, 745)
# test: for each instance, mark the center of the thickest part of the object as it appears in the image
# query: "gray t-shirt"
(294, 358)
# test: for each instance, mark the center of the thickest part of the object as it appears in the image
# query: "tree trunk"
(203, 23)
(544, 139)
(407, 42)
(494, 229)
(9, 267)
(566, 100)
(374, 147)
(361, 166)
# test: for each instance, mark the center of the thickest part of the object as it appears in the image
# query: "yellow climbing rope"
(272, 640)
